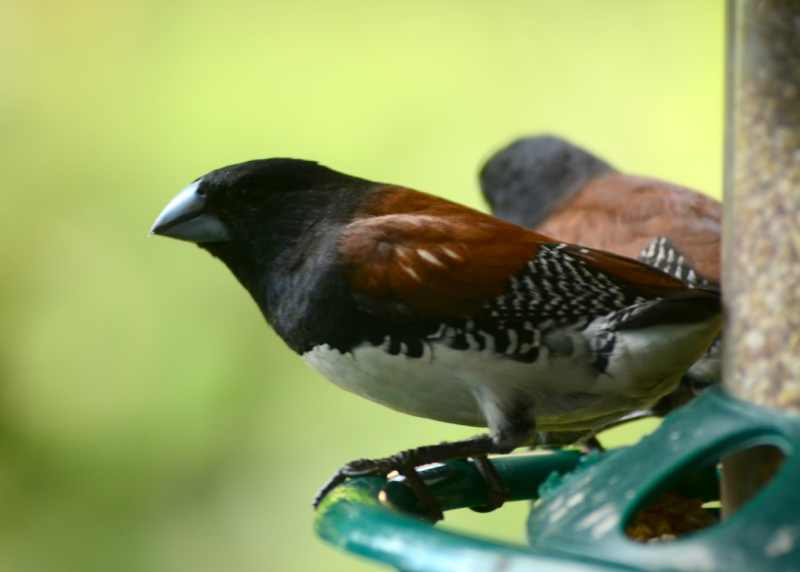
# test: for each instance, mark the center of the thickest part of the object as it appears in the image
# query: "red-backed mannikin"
(440, 311)
(560, 189)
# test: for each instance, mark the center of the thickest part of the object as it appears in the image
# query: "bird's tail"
(687, 307)
(658, 341)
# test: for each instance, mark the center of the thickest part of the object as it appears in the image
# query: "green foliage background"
(149, 420)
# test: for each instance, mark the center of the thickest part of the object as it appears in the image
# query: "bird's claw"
(364, 467)
(497, 493)
(401, 463)
(406, 463)
(357, 468)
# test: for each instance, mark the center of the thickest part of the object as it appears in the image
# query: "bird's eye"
(201, 192)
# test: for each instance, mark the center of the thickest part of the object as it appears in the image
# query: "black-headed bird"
(440, 311)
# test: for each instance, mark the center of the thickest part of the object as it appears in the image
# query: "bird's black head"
(254, 213)
(526, 180)
(234, 202)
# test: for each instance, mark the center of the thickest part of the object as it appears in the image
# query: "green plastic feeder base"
(579, 522)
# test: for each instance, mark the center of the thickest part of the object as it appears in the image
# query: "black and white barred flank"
(555, 290)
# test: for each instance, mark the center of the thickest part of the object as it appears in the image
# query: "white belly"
(424, 387)
(463, 387)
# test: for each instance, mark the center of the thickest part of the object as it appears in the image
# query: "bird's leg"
(405, 462)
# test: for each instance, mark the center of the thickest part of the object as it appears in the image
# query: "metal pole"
(761, 258)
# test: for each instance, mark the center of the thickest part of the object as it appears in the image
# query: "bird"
(440, 311)
(549, 184)
(558, 188)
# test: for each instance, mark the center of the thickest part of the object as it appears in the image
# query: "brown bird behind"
(559, 189)
(623, 213)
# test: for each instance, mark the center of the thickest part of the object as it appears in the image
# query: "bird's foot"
(496, 490)
(406, 463)
(357, 468)
(401, 463)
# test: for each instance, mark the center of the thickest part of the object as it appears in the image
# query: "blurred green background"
(149, 420)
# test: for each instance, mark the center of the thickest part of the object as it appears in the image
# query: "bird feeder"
(735, 443)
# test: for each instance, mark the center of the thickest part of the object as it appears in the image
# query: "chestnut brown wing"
(409, 254)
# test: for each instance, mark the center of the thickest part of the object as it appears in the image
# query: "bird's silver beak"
(185, 218)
